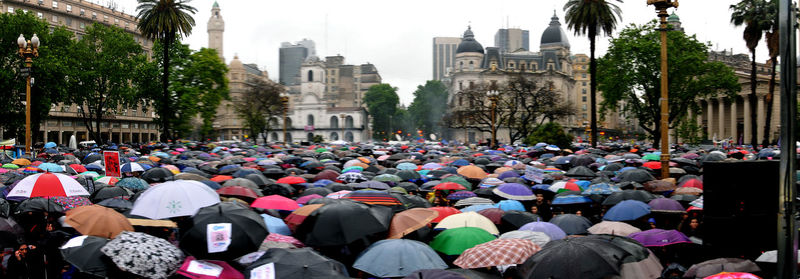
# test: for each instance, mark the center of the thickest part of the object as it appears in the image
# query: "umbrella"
(460, 195)
(659, 237)
(553, 231)
(472, 171)
(444, 211)
(133, 184)
(50, 167)
(497, 252)
(449, 186)
(275, 202)
(174, 199)
(131, 167)
(638, 195)
(468, 219)
(274, 237)
(334, 224)
(472, 201)
(276, 225)
(70, 202)
(507, 205)
(627, 210)
(477, 207)
(601, 189)
(563, 186)
(97, 220)
(83, 252)
(514, 219)
(47, 185)
(635, 175)
(373, 197)
(397, 257)
(410, 220)
(143, 254)
(666, 205)
(571, 199)
(771, 257)
(117, 203)
(38, 205)
(223, 231)
(598, 258)
(733, 275)
(435, 273)
(298, 216)
(494, 214)
(5, 208)
(291, 180)
(201, 269)
(613, 228)
(238, 192)
(106, 180)
(514, 191)
(8, 225)
(109, 192)
(572, 224)
(539, 238)
(155, 175)
(295, 263)
(455, 241)
(715, 266)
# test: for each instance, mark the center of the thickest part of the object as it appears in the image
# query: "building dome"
(468, 43)
(673, 17)
(236, 63)
(554, 35)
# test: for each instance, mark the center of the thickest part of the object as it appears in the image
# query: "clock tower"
(216, 26)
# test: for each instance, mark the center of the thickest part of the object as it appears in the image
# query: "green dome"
(673, 17)
(215, 5)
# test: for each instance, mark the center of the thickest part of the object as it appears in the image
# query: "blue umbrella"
(50, 145)
(571, 199)
(459, 163)
(601, 189)
(477, 207)
(51, 167)
(507, 205)
(406, 166)
(398, 258)
(132, 167)
(276, 225)
(372, 184)
(544, 187)
(627, 210)
(563, 160)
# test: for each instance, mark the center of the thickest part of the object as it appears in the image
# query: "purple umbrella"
(550, 229)
(508, 174)
(659, 237)
(666, 205)
(514, 191)
(460, 195)
(305, 199)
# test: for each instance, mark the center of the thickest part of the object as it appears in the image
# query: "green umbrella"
(387, 177)
(10, 166)
(459, 180)
(455, 241)
(651, 157)
(321, 150)
(352, 168)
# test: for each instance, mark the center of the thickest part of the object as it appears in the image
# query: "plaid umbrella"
(143, 254)
(497, 252)
(70, 202)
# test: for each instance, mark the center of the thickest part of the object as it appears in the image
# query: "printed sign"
(266, 271)
(111, 159)
(218, 237)
(204, 268)
(534, 174)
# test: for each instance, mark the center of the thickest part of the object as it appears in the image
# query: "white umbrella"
(772, 257)
(612, 227)
(539, 238)
(48, 185)
(174, 199)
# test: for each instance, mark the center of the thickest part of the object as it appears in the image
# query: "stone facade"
(216, 30)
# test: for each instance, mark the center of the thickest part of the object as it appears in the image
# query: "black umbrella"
(299, 263)
(635, 175)
(5, 208)
(8, 225)
(84, 253)
(514, 219)
(582, 160)
(8, 240)
(38, 204)
(335, 224)
(637, 251)
(408, 175)
(157, 175)
(415, 201)
(259, 179)
(581, 172)
(117, 204)
(246, 232)
(572, 224)
(322, 191)
(109, 192)
(639, 195)
(587, 258)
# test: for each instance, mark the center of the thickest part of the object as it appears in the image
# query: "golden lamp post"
(493, 97)
(661, 9)
(28, 49)
(285, 108)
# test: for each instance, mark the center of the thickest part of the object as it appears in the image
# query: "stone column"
(747, 123)
(761, 118)
(721, 122)
(734, 122)
(60, 137)
(710, 117)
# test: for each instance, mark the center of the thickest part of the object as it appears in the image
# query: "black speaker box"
(740, 208)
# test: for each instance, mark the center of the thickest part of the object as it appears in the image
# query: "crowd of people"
(377, 210)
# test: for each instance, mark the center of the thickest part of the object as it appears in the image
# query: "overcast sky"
(397, 36)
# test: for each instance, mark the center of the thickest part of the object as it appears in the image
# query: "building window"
(66, 123)
(583, 98)
(460, 100)
(333, 80)
(94, 15)
(69, 8)
(11, 9)
(583, 75)
(584, 116)
(310, 75)
(55, 18)
(41, 2)
(461, 66)
(125, 125)
(83, 12)
(83, 25)
(116, 21)
(583, 90)
(471, 66)
(471, 85)
(584, 83)
(55, 4)
(105, 18)
(126, 25)
(135, 125)
(69, 21)
(460, 85)
(40, 15)
(584, 107)
(310, 120)
(511, 65)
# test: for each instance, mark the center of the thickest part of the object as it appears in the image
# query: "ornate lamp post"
(493, 98)
(661, 8)
(285, 107)
(343, 118)
(28, 50)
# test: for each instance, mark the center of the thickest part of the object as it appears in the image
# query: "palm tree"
(755, 15)
(587, 17)
(166, 21)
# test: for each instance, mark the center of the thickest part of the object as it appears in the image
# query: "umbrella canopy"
(627, 210)
(635, 175)
(666, 205)
(397, 257)
(514, 219)
(373, 197)
(497, 252)
(613, 228)
(237, 192)
(333, 224)
(133, 184)
(572, 224)
(639, 195)
(70, 202)
(84, 253)
(455, 241)
(659, 237)
(571, 199)
(473, 201)
(201, 269)
(552, 231)
(47, 185)
(444, 211)
(514, 191)
(275, 202)
(295, 263)
(97, 220)
(539, 238)
(598, 258)
(174, 199)
(468, 219)
(298, 216)
(715, 266)
(449, 186)
(276, 225)
(410, 220)
(472, 171)
(733, 275)
(143, 254)
(224, 231)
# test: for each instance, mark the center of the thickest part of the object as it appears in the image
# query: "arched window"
(310, 75)
(334, 122)
(334, 136)
(288, 122)
(274, 136)
(511, 65)
(288, 137)
(273, 123)
(461, 65)
(471, 66)
(348, 122)
(310, 120)
(348, 136)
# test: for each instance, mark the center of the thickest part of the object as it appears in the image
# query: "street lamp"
(492, 94)
(285, 108)
(28, 50)
(661, 8)
(342, 117)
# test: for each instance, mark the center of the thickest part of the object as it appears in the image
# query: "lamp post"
(661, 8)
(493, 98)
(28, 50)
(343, 117)
(285, 107)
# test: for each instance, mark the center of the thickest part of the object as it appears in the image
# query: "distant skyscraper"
(511, 39)
(291, 57)
(444, 55)
(216, 27)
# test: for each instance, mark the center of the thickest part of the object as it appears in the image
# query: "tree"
(166, 21)
(259, 104)
(689, 131)
(757, 16)
(198, 86)
(551, 133)
(50, 71)
(428, 107)
(629, 74)
(381, 100)
(589, 17)
(105, 63)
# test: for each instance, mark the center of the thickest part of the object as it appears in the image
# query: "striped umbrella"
(107, 180)
(338, 195)
(48, 185)
(373, 197)
(298, 216)
(472, 201)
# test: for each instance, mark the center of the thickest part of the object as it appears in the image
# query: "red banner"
(111, 159)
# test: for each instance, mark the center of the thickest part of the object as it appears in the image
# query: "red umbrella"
(47, 185)
(291, 180)
(694, 182)
(221, 178)
(444, 211)
(373, 197)
(305, 199)
(78, 168)
(652, 165)
(238, 191)
(207, 269)
(275, 202)
(449, 186)
(298, 216)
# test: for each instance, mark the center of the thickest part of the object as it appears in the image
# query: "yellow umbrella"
(21, 162)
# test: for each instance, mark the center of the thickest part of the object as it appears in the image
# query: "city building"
(291, 57)
(511, 39)
(444, 55)
(133, 124)
(216, 29)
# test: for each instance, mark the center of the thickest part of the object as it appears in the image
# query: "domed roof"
(468, 43)
(236, 63)
(554, 35)
(673, 17)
